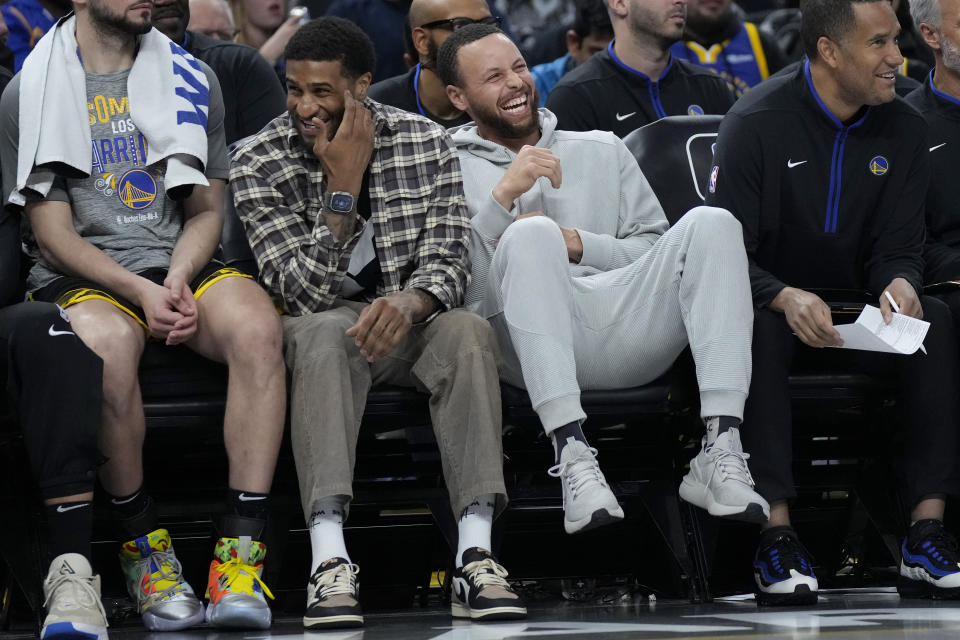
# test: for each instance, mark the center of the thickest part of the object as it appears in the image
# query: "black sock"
(720, 424)
(70, 526)
(135, 515)
(249, 504)
(560, 435)
(771, 534)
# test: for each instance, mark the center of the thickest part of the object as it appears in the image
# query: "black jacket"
(824, 204)
(252, 93)
(603, 93)
(942, 250)
(400, 92)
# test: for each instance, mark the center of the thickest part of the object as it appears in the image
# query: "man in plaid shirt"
(356, 215)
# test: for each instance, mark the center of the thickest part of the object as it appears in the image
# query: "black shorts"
(69, 290)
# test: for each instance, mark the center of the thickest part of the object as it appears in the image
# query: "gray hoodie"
(603, 195)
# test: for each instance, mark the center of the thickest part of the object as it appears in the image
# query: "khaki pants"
(453, 358)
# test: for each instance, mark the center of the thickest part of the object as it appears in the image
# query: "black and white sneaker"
(783, 570)
(332, 596)
(929, 563)
(481, 591)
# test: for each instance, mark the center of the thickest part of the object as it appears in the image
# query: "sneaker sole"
(238, 617)
(156, 623)
(700, 496)
(909, 588)
(801, 596)
(598, 518)
(494, 613)
(59, 630)
(333, 622)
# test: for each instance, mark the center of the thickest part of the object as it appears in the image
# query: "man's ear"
(573, 42)
(930, 35)
(361, 86)
(619, 8)
(457, 97)
(828, 51)
(421, 40)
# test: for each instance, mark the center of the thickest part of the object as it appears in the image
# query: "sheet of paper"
(870, 333)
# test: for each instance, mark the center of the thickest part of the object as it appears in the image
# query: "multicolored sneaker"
(72, 601)
(234, 587)
(155, 582)
(929, 563)
(481, 592)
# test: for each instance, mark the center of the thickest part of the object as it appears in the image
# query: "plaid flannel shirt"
(417, 208)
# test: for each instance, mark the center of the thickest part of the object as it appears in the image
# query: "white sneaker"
(72, 600)
(720, 481)
(588, 502)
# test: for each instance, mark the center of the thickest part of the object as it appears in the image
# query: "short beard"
(506, 129)
(430, 60)
(640, 28)
(950, 52)
(116, 26)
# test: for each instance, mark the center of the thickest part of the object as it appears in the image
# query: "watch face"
(341, 202)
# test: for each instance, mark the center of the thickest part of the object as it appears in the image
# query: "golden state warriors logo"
(694, 110)
(137, 189)
(879, 166)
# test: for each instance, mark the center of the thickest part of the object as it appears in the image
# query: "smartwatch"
(339, 202)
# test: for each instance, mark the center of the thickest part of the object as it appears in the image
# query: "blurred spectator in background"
(266, 25)
(252, 93)
(212, 18)
(533, 25)
(385, 22)
(918, 59)
(6, 56)
(591, 32)
(27, 21)
(716, 37)
(420, 90)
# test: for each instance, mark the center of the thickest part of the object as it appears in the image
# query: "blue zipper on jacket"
(836, 160)
(653, 85)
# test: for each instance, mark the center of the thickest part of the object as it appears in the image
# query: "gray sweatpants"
(561, 333)
(453, 358)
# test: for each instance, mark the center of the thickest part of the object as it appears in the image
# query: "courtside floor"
(848, 615)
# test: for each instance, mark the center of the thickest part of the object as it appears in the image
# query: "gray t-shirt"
(122, 208)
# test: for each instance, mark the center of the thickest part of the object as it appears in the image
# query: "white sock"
(326, 530)
(475, 524)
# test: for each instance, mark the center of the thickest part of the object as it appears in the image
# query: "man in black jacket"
(827, 171)
(252, 93)
(636, 81)
(938, 100)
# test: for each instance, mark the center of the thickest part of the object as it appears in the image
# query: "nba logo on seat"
(137, 189)
(713, 179)
(879, 166)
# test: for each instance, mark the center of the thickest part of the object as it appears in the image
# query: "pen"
(893, 304)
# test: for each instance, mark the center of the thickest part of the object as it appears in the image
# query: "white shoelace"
(341, 580)
(730, 464)
(581, 472)
(82, 592)
(486, 572)
(168, 569)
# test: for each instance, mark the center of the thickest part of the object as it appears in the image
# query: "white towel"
(169, 103)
